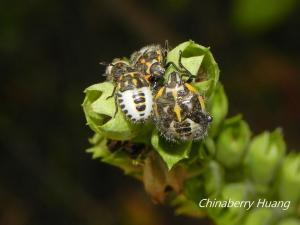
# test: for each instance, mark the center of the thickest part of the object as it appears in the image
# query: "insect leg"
(185, 71)
(116, 106)
(166, 50)
(174, 65)
(113, 93)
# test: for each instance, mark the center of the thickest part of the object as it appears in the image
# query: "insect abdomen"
(135, 97)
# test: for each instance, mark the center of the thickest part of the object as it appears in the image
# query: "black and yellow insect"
(132, 91)
(179, 110)
(134, 96)
(116, 68)
(150, 61)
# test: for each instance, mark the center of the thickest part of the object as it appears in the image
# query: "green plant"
(227, 164)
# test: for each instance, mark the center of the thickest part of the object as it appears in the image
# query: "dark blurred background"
(49, 53)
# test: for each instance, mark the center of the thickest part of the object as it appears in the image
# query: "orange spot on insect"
(191, 88)
(147, 77)
(177, 108)
(159, 93)
(177, 111)
(134, 81)
(201, 101)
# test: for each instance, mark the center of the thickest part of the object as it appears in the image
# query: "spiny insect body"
(179, 110)
(150, 61)
(132, 91)
(134, 96)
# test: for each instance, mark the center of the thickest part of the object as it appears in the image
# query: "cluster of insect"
(141, 91)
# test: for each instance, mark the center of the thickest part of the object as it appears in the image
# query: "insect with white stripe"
(132, 91)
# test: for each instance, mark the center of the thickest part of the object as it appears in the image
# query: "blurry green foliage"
(255, 16)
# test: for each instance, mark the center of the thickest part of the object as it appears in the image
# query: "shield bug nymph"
(134, 96)
(150, 61)
(116, 68)
(179, 110)
(132, 91)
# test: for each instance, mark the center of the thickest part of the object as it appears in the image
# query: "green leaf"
(92, 118)
(171, 152)
(199, 61)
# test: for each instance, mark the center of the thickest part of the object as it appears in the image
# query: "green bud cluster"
(227, 164)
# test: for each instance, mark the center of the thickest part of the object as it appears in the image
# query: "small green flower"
(232, 142)
(206, 148)
(289, 221)
(289, 179)
(264, 156)
(218, 108)
(231, 193)
(259, 216)
(213, 178)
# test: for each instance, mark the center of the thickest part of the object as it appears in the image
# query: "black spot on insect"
(139, 100)
(125, 111)
(140, 94)
(142, 114)
(122, 106)
(140, 108)
(187, 134)
(182, 130)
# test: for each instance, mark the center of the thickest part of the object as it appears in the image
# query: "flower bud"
(206, 149)
(231, 193)
(232, 142)
(289, 179)
(289, 221)
(214, 178)
(264, 156)
(259, 216)
(218, 108)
